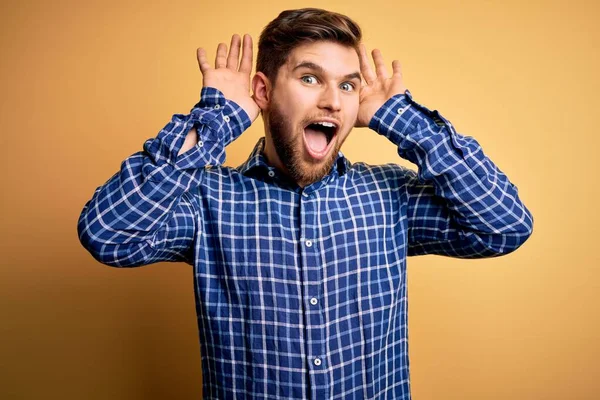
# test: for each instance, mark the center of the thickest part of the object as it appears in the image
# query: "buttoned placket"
(312, 275)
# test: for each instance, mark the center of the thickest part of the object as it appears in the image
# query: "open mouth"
(319, 135)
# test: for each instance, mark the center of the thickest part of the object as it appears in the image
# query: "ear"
(261, 87)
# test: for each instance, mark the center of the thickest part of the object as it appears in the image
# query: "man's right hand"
(234, 82)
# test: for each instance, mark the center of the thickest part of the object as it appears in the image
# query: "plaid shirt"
(302, 293)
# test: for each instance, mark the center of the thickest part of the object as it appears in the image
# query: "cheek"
(291, 109)
(351, 111)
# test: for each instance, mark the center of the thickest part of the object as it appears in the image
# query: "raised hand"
(379, 86)
(230, 79)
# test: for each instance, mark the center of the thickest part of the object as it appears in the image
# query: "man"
(299, 255)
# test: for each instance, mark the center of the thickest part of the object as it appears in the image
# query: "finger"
(379, 64)
(234, 53)
(246, 64)
(202, 60)
(365, 67)
(397, 68)
(221, 58)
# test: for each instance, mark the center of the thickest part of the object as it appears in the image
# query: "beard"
(290, 149)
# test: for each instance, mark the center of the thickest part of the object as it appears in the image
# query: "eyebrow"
(316, 67)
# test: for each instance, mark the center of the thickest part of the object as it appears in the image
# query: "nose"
(330, 98)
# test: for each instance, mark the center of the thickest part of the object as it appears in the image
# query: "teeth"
(327, 124)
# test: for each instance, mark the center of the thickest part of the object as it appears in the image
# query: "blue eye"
(307, 77)
(350, 86)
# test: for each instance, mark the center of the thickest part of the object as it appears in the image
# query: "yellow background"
(84, 84)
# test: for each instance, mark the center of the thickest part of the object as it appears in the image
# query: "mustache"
(307, 120)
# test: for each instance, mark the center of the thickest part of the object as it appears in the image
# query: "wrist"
(225, 118)
(248, 106)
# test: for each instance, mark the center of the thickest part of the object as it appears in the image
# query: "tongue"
(315, 139)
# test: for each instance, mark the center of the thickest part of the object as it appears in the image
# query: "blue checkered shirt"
(301, 293)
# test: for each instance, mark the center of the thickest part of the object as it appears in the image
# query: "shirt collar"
(256, 165)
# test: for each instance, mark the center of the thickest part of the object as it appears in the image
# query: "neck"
(271, 155)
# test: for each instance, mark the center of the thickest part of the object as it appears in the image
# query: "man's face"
(313, 108)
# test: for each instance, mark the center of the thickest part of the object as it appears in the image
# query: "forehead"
(332, 57)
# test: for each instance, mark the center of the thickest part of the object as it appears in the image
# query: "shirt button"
(304, 194)
(400, 110)
(226, 118)
(317, 361)
(308, 243)
(313, 301)
(217, 106)
(271, 173)
(200, 144)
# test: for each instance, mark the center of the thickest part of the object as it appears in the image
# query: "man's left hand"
(378, 86)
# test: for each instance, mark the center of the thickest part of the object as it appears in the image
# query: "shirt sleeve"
(146, 212)
(459, 202)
